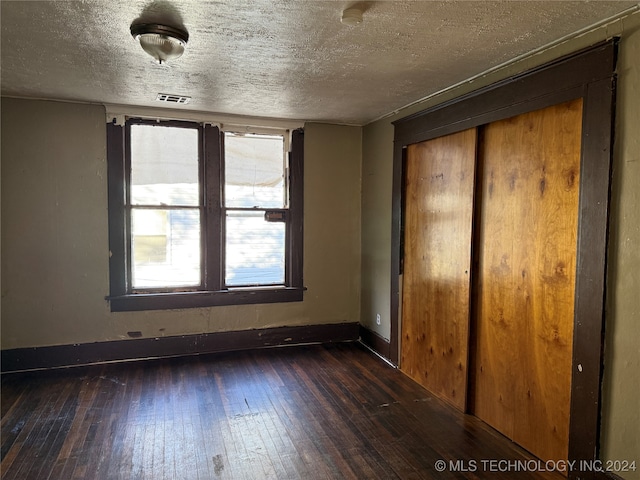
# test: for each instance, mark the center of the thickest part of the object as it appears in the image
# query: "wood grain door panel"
(436, 284)
(526, 276)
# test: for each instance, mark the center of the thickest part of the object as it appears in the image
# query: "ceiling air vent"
(168, 98)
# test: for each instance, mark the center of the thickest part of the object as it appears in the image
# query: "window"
(201, 217)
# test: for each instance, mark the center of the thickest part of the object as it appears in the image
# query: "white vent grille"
(168, 98)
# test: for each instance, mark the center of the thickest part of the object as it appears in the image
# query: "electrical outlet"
(378, 318)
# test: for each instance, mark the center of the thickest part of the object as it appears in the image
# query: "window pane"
(165, 248)
(164, 165)
(254, 250)
(254, 171)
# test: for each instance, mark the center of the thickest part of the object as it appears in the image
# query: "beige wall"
(55, 245)
(377, 172)
(621, 392)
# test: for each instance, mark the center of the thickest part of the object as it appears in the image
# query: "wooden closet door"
(437, 248)
(526, 276)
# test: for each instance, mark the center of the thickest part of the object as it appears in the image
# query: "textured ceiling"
(289, 59)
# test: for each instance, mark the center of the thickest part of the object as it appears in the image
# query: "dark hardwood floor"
(310, 412)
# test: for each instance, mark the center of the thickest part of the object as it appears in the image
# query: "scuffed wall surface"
(55, 235)
(54, 229)
(332, 218)
(376, 227)
(620, 438)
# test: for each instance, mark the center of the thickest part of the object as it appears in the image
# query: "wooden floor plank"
(310, 412)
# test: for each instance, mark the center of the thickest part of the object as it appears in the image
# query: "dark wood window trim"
(211, 292)
(590, 75)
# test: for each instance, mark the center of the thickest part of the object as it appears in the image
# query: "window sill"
(178, 300)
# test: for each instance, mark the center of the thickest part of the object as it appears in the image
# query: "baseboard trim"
(38, 358)
(375, 342)
(609, 475)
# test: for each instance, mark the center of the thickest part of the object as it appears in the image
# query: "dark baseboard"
(375, 342)
(595, 473)
(35, 358)
(610, 476)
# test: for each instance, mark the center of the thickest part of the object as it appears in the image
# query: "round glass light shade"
(161, 47)
(162, 42)
(351, 16)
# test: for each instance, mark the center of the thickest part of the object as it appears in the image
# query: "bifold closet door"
(439, 192)
(527, 227)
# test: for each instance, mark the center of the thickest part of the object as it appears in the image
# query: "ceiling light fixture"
(162, 42)
(352, 16)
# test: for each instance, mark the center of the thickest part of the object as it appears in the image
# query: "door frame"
(588, 74)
